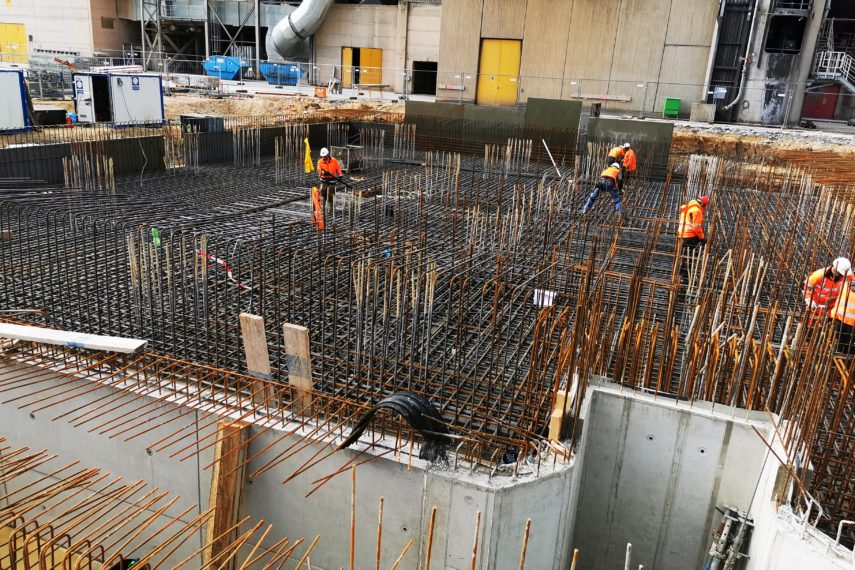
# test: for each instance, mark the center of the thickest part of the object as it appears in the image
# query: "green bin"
(671, 108)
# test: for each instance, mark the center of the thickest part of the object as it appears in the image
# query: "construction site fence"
(769, 103)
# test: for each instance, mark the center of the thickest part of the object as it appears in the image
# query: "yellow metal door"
(498, 72)
(347, 67)
(13, 41)
(371, 64)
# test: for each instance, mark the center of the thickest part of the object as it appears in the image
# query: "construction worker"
(609, 181)
(822, 287)
(843, 315)
(691, 229)
(329, 171)
(629, 164)
(616, 154)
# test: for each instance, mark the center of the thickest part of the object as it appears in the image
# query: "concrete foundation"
(654, 473)
(411, 489)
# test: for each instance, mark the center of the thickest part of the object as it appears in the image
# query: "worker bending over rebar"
(609, 181)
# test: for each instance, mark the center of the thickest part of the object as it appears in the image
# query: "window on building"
(785, 34)
(106, 23)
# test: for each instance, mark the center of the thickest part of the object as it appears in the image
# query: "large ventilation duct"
(292, 30)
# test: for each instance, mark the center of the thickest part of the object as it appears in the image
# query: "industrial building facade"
(757, 61)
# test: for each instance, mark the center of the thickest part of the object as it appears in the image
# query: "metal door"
(13, 43)
(83, 100)
(498, 72)
(371, 63)
(346, 67)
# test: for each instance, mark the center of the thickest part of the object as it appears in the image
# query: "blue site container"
(225, 67)
(280, 73)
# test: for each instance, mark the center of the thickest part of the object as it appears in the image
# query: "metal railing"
(835, 65)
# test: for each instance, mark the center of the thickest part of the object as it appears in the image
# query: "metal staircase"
(836, 66)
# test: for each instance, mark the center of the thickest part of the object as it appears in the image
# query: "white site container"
(118, 98)
(14, 115)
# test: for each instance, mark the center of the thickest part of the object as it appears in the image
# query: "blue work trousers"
(609, 185)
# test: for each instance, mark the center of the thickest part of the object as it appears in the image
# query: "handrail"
(835, 65)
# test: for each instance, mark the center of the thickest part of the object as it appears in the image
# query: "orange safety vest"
(329, 169)
(617, 153)
(630, 161)
(691, 220)
(317, 209)
(611, 172)
(821, 289)
(844, 308)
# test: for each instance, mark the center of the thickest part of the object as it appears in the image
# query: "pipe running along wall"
(299, 25)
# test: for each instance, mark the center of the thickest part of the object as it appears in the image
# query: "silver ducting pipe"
(292, 30)
(745, 60)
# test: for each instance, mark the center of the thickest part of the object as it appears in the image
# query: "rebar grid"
(58, 515)
(437, 286)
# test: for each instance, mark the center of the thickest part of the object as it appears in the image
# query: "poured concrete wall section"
(128, 459)
(587, 47)
(553, 113)
(654, 473)
(505, 502)
(607, 130)
(410, 493)
(506, 115)
(779, 541)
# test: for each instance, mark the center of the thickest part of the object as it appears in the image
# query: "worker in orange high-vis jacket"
(691, 227)
(691, 230)
(822, 287)
(329, 171)
(843, 315)
(616, 154)
(608, 181)
(629, 164)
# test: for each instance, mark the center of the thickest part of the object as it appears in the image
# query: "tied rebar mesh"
(473, 280)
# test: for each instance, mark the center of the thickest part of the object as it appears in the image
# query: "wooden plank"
(227, 486)
(257, 357)
(299, 365)
(71, 339)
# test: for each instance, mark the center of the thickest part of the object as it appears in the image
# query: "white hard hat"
(616, 165)
(627, 145)
(841, 265)
(325, 151)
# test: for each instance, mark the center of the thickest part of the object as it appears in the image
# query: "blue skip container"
(281, 73)
(225, 67)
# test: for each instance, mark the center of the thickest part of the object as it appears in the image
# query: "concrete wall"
(585, 47)
(410, 492)
(653, 475)
(409, 495)
(62, 26)
(128, 459)
(405, 34)
(779, 541)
